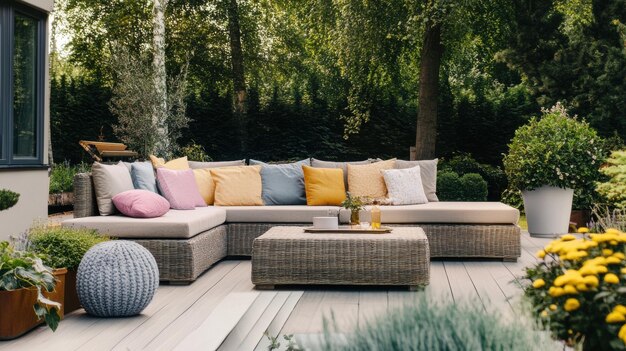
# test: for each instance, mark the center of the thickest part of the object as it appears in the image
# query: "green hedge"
(469, 187)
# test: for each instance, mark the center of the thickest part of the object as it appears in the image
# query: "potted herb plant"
(552, 159)
(64, 248)
(29, 292)
(355, 204)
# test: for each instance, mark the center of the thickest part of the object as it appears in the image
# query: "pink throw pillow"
(141, 204)
(179, 188)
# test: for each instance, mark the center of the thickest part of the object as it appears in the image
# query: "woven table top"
(297, 233)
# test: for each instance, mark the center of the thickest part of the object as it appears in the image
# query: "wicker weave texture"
(445, 240)
(117, 278)
(287, 255)
(84, 196)
(185, 260)
(473, 240)
(241, 235)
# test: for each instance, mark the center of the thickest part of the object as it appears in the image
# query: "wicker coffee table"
(288, 255)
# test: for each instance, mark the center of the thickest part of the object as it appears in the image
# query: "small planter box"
(71, 295)
(18, 315)
(61, 199)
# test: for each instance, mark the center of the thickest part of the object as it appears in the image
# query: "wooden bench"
(100, 150)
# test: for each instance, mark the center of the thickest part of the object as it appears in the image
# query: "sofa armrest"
(84, 196)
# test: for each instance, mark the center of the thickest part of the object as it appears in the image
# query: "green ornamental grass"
(438, 326)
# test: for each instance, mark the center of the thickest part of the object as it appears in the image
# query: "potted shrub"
(30, 293)
(550, 160)
(64, 248)
(577, 290)
(355, 204)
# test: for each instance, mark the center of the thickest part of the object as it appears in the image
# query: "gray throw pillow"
(108, 181)
(343, 165)
(428, 170)
(283, 184)
(215, 164)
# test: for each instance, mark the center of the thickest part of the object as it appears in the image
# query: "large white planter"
(548, 210)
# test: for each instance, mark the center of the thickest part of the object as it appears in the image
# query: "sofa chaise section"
(184, 243)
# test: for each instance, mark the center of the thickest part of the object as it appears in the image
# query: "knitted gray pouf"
(117, 278)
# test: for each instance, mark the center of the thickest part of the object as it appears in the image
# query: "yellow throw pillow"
(237, 186)
(367, 180)
(179, 164)
(324, 186)
(206, 185)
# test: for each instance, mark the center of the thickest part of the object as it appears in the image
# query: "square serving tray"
(350, 230)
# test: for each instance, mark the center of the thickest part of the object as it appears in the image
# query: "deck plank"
(139, 337)
(177, 311)
(238, 280)
(461, 284)
(280, 319)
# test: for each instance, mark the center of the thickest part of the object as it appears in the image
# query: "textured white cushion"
(428, 170)
(175, 224)
(446, 213)
(278, 214)
(215, 164)
(404, 186)
(108, 181)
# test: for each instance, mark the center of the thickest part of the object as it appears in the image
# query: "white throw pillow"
(404, 186)
(108, 181)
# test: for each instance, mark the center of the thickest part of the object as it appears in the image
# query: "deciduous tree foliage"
(340, 79)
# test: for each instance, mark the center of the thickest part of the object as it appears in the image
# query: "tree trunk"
(426, 136)
(159, 119)
(239, 81)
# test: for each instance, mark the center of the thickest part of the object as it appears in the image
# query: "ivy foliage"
(21, 269)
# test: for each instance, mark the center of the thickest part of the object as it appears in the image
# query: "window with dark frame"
(22, 84)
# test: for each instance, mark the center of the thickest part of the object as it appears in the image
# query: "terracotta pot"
(71, 295)
(580, 217)
(18, 316)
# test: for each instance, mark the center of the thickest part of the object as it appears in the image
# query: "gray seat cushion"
(278, 214)
(175, 224)
(447, 212)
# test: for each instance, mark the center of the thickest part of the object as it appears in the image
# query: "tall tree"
(432, 50)
(159, 118)
(239, 79)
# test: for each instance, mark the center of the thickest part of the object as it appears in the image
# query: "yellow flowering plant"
(578, 289)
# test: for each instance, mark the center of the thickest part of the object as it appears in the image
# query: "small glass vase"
(354, 217)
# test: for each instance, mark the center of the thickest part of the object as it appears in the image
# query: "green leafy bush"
(464, 163)
(62, 176)
(8, 199)
(21, 269)
(62, 247)
(614, 190)
(434, 326)
(556, 150)
(469, 187)
(194, 152)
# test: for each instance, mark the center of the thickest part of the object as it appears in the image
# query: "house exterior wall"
(30, 182)
(32, 185)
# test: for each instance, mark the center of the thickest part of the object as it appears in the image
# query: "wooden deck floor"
(223, 311)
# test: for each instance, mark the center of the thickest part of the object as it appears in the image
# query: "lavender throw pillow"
(141, 204)
(179, 188)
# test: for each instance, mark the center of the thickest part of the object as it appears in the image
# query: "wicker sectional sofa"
(186, 243)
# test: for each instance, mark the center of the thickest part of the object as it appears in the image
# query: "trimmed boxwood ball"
(469, 187)
(116, 279)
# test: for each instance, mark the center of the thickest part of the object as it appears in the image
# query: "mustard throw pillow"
(179, 164)
(206, 185)
(324, 186)
(237, 186)
(367, 180)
